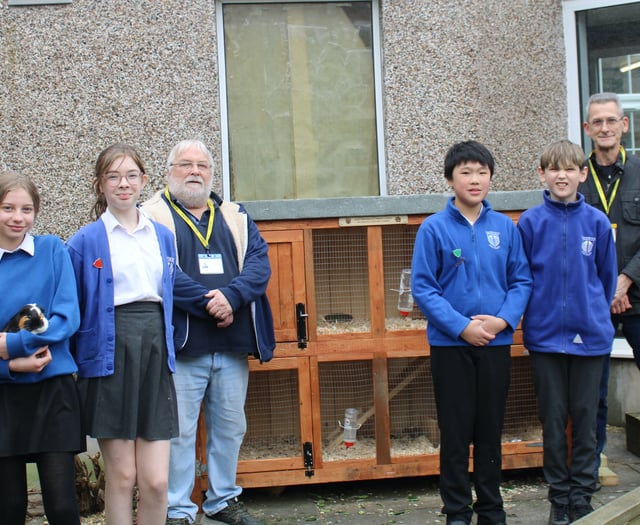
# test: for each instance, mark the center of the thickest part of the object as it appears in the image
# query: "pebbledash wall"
(79, 76)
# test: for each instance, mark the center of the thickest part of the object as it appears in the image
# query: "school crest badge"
(494, 239)
(587, 245)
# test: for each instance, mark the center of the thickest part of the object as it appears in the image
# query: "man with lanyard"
(613, 186)
(220, 247)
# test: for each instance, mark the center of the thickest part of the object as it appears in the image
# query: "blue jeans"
(219, 381)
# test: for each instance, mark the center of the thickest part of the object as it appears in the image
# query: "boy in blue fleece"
(567, 325)
(471, 280)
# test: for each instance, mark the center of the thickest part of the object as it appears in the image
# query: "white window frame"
(377, 67)
(569, 9)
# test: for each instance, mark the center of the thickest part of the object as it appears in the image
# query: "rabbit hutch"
(343, 344)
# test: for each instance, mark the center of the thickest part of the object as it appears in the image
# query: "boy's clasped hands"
(483, 329)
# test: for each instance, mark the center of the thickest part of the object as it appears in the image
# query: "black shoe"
(559, 515)
(233, 514)
(483, 521)
(580, 511)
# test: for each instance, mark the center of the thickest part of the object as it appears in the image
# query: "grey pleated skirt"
(139, 399)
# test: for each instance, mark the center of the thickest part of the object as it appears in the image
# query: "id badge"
(210, 263)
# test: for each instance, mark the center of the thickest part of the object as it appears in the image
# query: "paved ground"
(413, 501)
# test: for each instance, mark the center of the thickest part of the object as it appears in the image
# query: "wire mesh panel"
(412, 408)
(521, 421)
(343, 385)
(341, 280)
(273, 416)
(397, 243)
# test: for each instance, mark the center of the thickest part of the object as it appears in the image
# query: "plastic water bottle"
(350, 426)
(405, 299)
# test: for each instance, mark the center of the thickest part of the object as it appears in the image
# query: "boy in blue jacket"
(471, 280)
(567, 325)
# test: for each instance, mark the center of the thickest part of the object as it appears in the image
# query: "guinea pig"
(30, 317)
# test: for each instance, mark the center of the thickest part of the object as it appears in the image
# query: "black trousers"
(471, 386)
(567, 386)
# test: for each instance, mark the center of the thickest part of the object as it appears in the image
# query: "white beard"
(190, 198)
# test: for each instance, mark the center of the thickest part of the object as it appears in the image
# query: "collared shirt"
(27, 245)
(135, 259)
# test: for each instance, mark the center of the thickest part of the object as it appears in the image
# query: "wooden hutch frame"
(292, 283)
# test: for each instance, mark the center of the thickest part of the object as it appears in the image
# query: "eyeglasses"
(184, 166)
(113, 177)
(611, 122)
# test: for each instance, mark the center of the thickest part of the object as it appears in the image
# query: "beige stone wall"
(75, 78)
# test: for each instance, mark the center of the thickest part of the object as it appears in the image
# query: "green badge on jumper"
(457, 252)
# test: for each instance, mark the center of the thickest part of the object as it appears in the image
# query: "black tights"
(57, 481)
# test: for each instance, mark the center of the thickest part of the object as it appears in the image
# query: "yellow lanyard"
(606, 205)
(183, 215)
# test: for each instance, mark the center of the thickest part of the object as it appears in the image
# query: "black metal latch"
(307, 451)
(301, 318)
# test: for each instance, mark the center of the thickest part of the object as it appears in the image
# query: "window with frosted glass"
(300, 100)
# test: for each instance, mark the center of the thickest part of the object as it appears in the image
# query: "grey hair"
(603, 98)
(186, 144)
